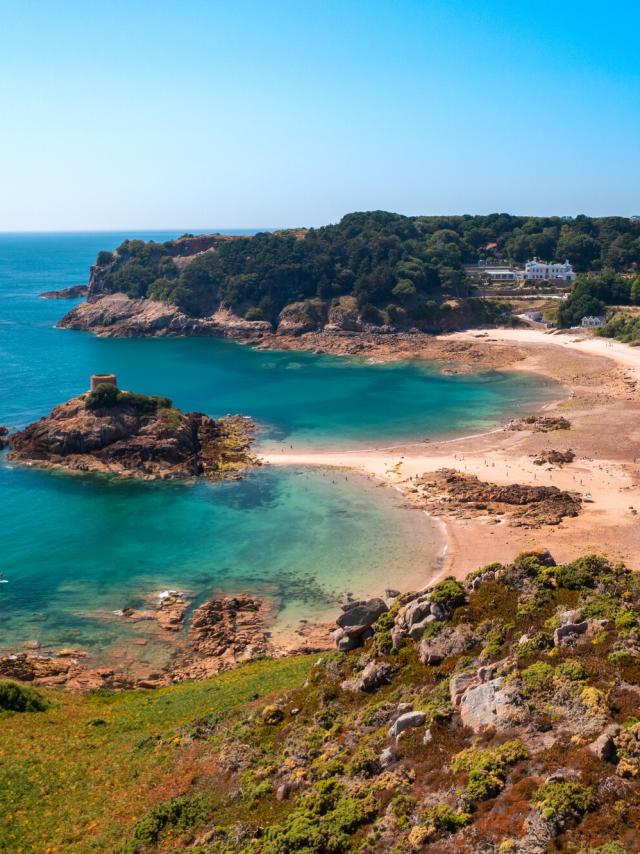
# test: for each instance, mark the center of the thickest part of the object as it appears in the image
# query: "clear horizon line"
(139, 228)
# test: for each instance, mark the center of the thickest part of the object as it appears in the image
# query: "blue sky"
(247, 114)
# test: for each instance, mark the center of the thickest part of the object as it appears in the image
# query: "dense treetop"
(391, 264)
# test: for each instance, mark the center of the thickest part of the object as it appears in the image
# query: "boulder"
(372, 677)
(388, 757)
(356, 621)
(450, 641)
(569, 632)
(408, 720)
(604, 747)
(416, 612)
(461, 682)
(490, 704)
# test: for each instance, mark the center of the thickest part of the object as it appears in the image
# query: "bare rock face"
(119, 316)
(300, 317)
(490, 704)
(128, 440)
(450, 641)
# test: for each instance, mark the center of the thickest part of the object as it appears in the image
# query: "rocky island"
(122, 433)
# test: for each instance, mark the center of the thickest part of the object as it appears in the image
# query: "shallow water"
(75, 548)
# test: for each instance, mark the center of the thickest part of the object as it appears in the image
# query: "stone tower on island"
(103, 379)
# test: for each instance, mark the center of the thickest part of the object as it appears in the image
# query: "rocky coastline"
(222, 632)
(136, 436)
(72, 292)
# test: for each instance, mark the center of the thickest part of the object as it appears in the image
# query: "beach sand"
(604, 410)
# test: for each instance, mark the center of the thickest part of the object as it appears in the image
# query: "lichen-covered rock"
(374, 675)
(450, 641)
(409, 720)
(492, 704)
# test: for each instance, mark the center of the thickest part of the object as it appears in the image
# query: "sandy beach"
(604, 409)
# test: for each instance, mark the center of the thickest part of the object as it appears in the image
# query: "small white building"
(591, 322)
(541, 271)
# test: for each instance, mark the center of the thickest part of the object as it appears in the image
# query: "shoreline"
(603, 404)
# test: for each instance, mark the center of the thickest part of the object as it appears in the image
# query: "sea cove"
(77, 548)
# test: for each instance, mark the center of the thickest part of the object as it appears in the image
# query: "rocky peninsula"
(121, 433)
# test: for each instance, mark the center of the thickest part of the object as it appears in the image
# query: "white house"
(590, 322)
(540, 271)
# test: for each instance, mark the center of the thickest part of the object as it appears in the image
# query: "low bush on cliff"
(107, 396)
(18, 698)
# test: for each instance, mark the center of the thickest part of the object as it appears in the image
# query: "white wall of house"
(539, 270)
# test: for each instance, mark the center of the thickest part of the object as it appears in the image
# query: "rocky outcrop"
(134, 438)
(453, 493)
(450, 641)
(119, 316)
(4, 437)
(540, 423)
(222, 632)
(74, 292)
(554, 457)
(354, 624)
(300, 317)
(374, 675)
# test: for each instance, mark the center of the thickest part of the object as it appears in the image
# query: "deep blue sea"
(76, 548)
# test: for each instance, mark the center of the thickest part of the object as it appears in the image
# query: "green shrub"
(583, 572)
(402, 806)
(321, 823)
(487, 768)
(364, 763)
(444, 819)
(18, 698)
(537, 676)
(103, 396)
(571, 669)
(538, 643)
(449, 593)
(625, 620)
(559, 801)
(179, 813)
(107, 396)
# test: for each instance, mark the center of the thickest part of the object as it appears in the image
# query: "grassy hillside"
(77, 776)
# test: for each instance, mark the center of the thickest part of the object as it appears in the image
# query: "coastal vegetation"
(508, 724)
(592, 294)
(378, 267)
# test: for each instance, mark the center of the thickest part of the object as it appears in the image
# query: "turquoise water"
(75, 548)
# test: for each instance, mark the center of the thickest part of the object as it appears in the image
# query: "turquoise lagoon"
(76, 548)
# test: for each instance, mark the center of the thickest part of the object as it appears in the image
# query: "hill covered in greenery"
(373, 267)
(499, 715)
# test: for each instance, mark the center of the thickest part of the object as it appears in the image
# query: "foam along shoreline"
(604, 407)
